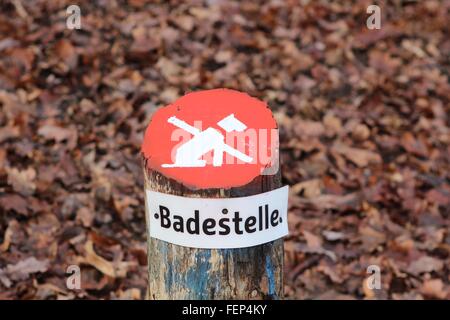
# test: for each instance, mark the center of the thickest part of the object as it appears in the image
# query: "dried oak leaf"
(13, 227)
(168, 68)
(433, 288)
(9, 132)
(370, 237)
(425, 264)
(361, 157)
(129, 294)
(440, 196)
(368, 37)
(22, 270)
(307, 128)
(93, 259)
(85, 216)
(14, 202)
(67, 53)
(308, 189)
(312, 240)
(337, 202)
(314, 245)
(22, 181)
(113, 269)
(383, 62)
(413, 145)
(59, 134)
(331, 272)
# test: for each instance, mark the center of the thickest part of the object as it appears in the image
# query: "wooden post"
(179, 272)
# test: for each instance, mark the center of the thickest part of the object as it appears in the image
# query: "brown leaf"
(361, 157)
(308, 189)
(8, 235)
(116, 269)
(361, 132)
(23, 56)
(59, 134)
(85, 216)
(101, 264)
(312, 240)
(123, 205)
(383, 62)
(168, 68)
(371, 238)
(22, 270)
(330, 272)
(304, 128)
(185, 22)
(67, 53)
(413, 145)
(314, 245)
(341, 202)
(9, 132)
(22, 181)
(14, 202)
(425, 264)
(130, 294)
(367, 37)
(434, 288)
(332, 124)
(440, 196)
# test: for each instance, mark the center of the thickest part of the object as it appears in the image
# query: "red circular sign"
(217, 138)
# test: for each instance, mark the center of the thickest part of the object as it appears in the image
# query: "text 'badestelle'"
(218, 223)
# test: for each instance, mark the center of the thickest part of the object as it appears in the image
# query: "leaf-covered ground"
(364, 121)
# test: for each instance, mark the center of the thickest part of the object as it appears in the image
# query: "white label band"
(215, 223)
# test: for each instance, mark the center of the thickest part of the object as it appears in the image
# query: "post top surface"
(218, 138)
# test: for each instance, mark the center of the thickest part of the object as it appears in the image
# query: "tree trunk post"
(181, 272)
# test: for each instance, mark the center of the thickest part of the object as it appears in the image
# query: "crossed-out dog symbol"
(210, 139)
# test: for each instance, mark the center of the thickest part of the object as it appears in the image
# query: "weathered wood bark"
(177, 272)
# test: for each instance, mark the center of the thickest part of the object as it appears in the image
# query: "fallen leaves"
(371, 238)
(112, 269)
(14, 202)
(22, 270)
(364, 132)
(168, 68)
(440, 196)
(314, 245)
(22, 181)
(413, 145)
(425, 264)
(434, 288)
(67, 53)
(338, 202)
(7, 237)
(361, 157)
(384, 62)
(308, 189)
(333, 235)
(59, 134)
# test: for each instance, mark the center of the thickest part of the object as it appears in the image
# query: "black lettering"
(260, 218)
(223, 223)
(195, 220)
(164, 214)
(267, 216)
(274, 218)
(178, 224)
(236, 221)
(249, 223)
(207, 225)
